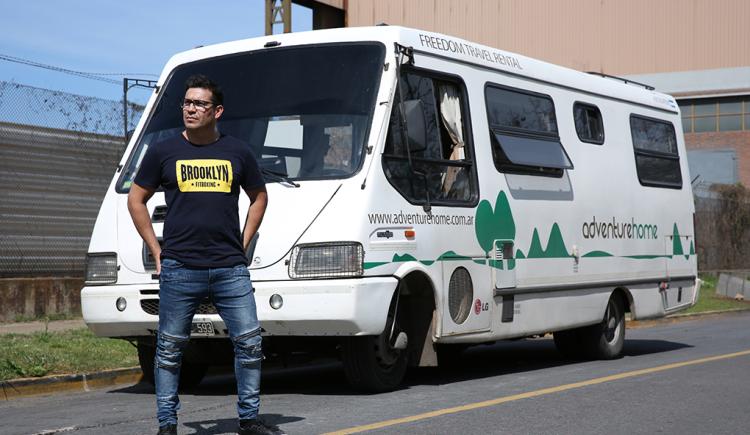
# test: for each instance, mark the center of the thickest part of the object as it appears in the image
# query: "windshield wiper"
(278, 176)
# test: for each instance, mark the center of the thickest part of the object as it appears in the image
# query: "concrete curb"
(706, 313)
(673, 318)
(25, 387)
(41, 326)
(18, 388)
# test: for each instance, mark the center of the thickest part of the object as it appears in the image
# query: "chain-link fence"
(58, 152)
(722, 227)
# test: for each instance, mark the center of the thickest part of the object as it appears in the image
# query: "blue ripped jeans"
(181, 290)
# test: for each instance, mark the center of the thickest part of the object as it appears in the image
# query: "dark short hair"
(203, 82)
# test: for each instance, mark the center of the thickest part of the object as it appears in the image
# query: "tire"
(191, 374)
(605, 340)
(371, 363)
(568, 343)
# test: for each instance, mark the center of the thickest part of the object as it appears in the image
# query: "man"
(202, 172)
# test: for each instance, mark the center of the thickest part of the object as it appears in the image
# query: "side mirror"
(416, 124)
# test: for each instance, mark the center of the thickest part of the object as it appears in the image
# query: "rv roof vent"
(270, 44)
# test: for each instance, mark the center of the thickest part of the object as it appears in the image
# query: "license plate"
(202, 329)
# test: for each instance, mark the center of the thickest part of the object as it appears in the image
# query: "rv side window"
(588, 120)
(656, 157)
(438, 167)
(523, 131)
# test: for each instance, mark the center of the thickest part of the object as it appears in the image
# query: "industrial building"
(696, 50)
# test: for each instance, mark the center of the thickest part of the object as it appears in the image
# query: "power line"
(83, 74)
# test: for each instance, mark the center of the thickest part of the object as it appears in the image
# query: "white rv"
(426, 193)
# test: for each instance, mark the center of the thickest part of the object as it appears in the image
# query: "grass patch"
(708, 300)
(49, 353)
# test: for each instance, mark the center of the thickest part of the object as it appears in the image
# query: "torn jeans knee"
(248, 349)
(169, 350)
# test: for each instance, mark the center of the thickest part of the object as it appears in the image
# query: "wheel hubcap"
(386, 354)
(611, 321)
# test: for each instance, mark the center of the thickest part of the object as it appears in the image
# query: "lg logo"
(479, 306)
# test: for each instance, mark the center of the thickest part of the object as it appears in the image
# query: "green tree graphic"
(676, 242)
(555, 245)
(494, 224)
(536, 250)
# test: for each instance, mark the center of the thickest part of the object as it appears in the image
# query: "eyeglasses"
(200, 105)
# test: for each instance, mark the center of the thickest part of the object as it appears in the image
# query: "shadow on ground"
(478, 362)
(229, 425)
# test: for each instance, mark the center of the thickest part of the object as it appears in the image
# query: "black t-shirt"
(202, 185)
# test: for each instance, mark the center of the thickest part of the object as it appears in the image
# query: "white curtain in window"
(450, 114)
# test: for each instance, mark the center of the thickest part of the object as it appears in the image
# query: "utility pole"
(278, 12)
(128, 84)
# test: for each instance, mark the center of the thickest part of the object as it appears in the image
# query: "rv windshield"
(305, 111)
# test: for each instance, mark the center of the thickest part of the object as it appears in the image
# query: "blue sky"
(115, 36)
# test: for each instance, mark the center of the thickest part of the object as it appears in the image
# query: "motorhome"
(426, 193)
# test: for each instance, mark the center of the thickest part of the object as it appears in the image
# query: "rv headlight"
(101, 268)
(327, 260)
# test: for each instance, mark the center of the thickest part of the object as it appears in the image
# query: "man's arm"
(137, 199)
(258, 202)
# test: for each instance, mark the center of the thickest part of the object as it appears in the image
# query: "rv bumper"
(100, 312)
(325, 307)
(317, 307)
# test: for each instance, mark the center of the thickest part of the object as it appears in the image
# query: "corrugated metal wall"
(58, 152)
(610, 36)
(52, 183)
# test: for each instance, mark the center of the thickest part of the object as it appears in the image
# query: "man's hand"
(157, 260)
(137, 199)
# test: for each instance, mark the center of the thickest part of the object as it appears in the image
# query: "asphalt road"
(685, 377)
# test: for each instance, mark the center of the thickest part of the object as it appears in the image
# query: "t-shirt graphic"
(204, 175)
(202, 186)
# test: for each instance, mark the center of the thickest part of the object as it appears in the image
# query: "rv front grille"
(160, 213)
(148, 260)
(151, 306)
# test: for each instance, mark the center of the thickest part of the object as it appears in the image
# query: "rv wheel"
(377, 363)
(191, 374)
(605, 340)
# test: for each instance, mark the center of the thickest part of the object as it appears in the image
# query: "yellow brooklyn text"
(204, 175)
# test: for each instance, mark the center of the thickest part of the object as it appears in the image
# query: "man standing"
(202, 172)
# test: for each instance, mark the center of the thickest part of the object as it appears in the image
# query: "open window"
(656, 158)
(523, 131)
(588, 121)
(431, 161)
